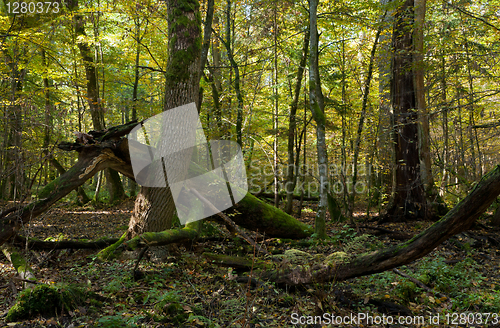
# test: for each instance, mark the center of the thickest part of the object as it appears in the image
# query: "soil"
(184, 290)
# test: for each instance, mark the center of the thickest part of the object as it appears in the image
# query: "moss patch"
(45, 300)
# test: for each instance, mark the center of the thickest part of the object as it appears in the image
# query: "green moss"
(48, 189)
(109, 252)
(336, 258)
(182, 24)
(294, 256)
(45, 300)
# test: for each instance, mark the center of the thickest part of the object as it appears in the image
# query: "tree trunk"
(423, 116)
(316, 103)
(409, 198)
(292, 170)
(154, 207)
(230, 55)
(95, 103)
(384, 147)
(82, 195)
(366, 92)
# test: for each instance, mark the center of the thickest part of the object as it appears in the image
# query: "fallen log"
(340, 266)
(33, 243)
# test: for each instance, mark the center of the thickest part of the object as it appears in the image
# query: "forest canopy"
(353, 118)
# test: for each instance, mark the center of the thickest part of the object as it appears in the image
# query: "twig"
(139, 258)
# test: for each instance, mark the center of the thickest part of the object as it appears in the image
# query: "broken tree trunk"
(82, 196)
(98, 150)
(340, 266)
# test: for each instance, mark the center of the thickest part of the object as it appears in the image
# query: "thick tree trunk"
(409, 198)
(423, 116)
(341, 266)
(154, 207)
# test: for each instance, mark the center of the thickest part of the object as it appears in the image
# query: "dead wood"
(457, 220)
(63, 244)
(99, 150)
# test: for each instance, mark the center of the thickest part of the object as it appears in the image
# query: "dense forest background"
(388, 113)
(252, 71)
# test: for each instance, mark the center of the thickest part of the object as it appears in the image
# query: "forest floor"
(184, 290)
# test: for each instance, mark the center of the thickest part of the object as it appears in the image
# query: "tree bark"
(409, 198)
(154, 207)
(316, 103)
(423, 116)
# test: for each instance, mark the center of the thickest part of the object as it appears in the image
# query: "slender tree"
(292, 171)
(317, 105)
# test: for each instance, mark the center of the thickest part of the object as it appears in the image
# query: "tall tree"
(423, 116)
(292, 170)
(408, 198)
(317, 105)
(154, 207)
(93, 99)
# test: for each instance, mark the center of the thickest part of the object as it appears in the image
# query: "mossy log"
(150, 239)
(254, 214)
(238, 262)
(341, 266)
(161, 238)
(37, 244)
(109, 149)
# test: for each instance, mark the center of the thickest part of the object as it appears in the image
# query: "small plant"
(407, 290)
